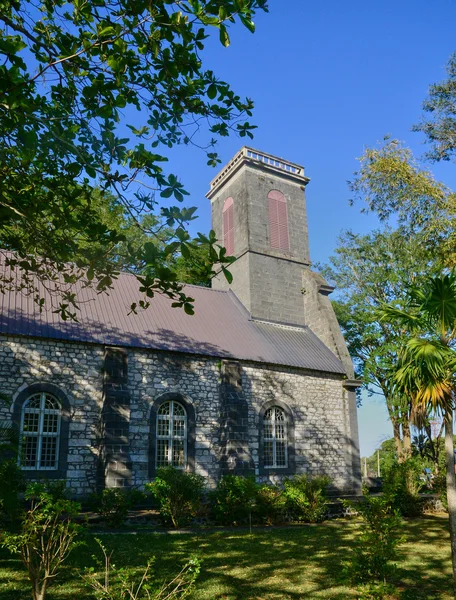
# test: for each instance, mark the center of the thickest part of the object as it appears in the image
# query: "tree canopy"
(93, 95)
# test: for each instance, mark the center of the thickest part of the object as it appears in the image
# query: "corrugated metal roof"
(220, 327)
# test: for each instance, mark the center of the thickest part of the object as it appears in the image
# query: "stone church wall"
(316, 401)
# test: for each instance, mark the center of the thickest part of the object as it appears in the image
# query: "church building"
(258, 382)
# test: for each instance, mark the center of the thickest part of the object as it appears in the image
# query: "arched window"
(171, 440)
(278, 220)
(40, 432)
(228, 225)
(275, 446)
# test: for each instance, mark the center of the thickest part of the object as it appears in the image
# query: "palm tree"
(427, 363)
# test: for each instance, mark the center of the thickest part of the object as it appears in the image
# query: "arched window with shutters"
(278, 220)
(228, 225)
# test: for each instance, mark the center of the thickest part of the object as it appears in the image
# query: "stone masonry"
(318, 404)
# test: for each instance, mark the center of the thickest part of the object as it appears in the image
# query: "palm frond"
(440, 302)
(391, 314)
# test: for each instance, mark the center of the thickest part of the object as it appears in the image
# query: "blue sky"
(329, 78)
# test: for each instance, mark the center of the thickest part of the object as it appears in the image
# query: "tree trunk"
(406, 439)
(451, 488)
(397, 437)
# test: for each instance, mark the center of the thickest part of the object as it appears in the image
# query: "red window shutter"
(228, 226)
(278, 220)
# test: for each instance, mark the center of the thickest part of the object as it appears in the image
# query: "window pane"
(51, 403)
(31, 422)
(162, 453)
(34, 401)
(280, 431)
(163, 426)
(164, 409)
(29, 451)
(179, 410)
(281, 459)
(48, 459)
(178, 453)
(279, 414)
(179, 427)
(268, 454)
(50, 423)
(268, 431)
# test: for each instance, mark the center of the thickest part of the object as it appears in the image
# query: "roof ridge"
(193, 285)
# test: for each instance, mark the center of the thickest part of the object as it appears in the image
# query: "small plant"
(377, 591)
(376, 546)
(401, 484)
(113, 504)
(115, 584)
(47, 537)
(178, 494)
(306, 497)
(234, 500)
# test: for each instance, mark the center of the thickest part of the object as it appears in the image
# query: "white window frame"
(40, 434)
(273, 438)
(171, 437)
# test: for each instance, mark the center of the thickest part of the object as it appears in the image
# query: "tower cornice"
(259, 160)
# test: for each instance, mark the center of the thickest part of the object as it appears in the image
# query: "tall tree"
(92, 94)
(427, 363)
(368, 271)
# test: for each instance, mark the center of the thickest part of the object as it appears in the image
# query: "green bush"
(306, 498)
(113, 504)
(178, 494)
(12, 483)
(271, 505)
(234, 500)
(401, 484)
(376, 546)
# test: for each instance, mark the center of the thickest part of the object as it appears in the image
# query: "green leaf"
(228, 275)
(212, 91)
(224, 37)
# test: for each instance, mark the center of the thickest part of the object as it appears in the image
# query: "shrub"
(401, 484)
(178, 494)
(376, 546)
(12, 483)
(47, 536)
(306, 497)
(234, 500)
(271, 504)
(115, 584)
(378, 591)
(113, 504)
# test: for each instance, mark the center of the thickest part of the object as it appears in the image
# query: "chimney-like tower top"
(260, 160)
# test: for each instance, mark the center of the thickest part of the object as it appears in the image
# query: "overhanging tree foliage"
(92, 94)
(439, 123)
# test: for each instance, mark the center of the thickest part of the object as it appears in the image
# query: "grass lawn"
(285, 564)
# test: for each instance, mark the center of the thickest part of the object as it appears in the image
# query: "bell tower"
(259, 214)
(259, 211)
